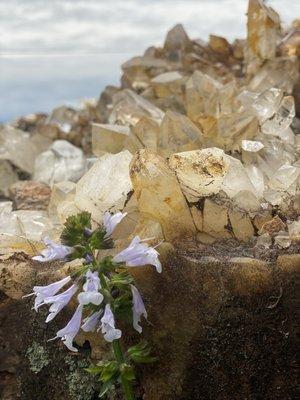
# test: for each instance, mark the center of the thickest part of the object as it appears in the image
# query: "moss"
(81, 384)
(38, 357)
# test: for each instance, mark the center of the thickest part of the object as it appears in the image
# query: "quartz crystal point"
(263, 31)
(159, 196)
(105, 186)
(61, 191)
(236, 178)
(147, 131)
(129, 108)
(178, 133)
(62, 162)
(282, 119)
(200, 172)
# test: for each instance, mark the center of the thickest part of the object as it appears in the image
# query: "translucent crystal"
(200, 172)
(252, 145)
(159, 196)
(263, 30)
(147, 131)
(267, 103)
(241, 225)
(108, 138)
(61, 191)
(282, 119)
(236, 178)
(273, 197)
(178, 133)
(129, 108)
(177, 40)
(247, 201)
(168, 84)
(62, 162)
(105, 186)
(215, 219)
(284, 177)
(256, 178)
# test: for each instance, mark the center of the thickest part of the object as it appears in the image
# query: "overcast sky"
(54, 51)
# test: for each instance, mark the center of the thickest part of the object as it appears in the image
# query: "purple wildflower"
(59, 301)
(138, 254)
(68, 333)
(91, 288)
(42, 292)
(111, 221)
(53, 251)
(108, 325)
(91, 322)
(138, 308)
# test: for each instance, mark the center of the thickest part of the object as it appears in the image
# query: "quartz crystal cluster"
(200, 139)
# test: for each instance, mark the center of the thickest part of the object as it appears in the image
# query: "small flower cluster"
(105, 290)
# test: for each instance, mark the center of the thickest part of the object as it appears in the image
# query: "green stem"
(126, 385)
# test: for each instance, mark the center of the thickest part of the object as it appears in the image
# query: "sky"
(56, 52)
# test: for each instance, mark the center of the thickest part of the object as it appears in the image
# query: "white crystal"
(62, 162)
(266, 104)
(284, 177)
(252, 145)
(256, 178)
(282, 119)
(236, 178)
(105, 186)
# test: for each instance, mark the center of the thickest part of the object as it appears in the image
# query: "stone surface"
(159, 196)
(215, 219)
(7, 177)
(200, 172)
(109, 138)
(30, 195)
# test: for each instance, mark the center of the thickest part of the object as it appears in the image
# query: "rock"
(19, 148)
(178, 133)
(159, 196)
(62, 162)
(7, 177)
(241, 225)
(215, 220)
(30, 195)
(197, 218)
(147, 131)
(105, 186)
(200, 172)
(168, 84)
(274, 226)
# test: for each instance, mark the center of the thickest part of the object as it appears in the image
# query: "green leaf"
(123, 306)
(98, 241)
(106, 265)
(110, 371)
(73, 233)
(94, 369)
(127, 372)
(105, 388)
(141, 353)
(121, 280)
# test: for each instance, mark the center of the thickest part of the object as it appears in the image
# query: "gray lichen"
(38, 357)
(81, 384)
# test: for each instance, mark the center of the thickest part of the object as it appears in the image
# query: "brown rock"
(272, 227)
(30, 195)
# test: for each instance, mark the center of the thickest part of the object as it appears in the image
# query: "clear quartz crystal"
(284, 177)
(282, 119)
(267, 103)
(256, 178)
(252, 145)
(105, 186)
(62, 162)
